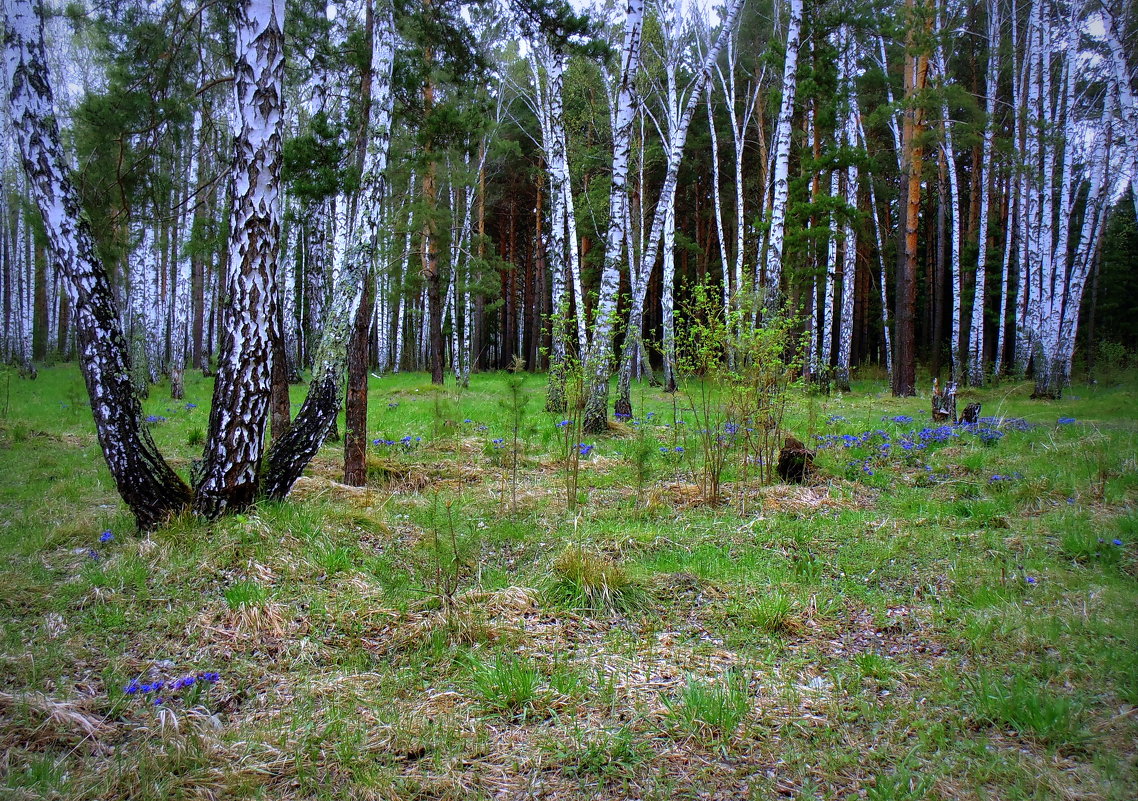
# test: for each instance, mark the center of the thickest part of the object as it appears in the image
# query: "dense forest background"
(1007, 127)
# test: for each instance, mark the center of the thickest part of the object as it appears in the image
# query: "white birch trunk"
(239, 413)
(598, 361)
(781, 179)
(678, 139)
(975, 365)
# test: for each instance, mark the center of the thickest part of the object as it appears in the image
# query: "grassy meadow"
(940, 614)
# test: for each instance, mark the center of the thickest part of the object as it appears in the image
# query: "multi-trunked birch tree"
(232, 475)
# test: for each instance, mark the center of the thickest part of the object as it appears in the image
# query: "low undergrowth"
(944, 612)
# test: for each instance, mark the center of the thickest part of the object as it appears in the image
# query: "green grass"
(922, 632)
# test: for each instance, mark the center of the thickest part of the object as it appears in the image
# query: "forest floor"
(956, 618)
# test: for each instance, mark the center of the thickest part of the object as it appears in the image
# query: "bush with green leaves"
(736, 370)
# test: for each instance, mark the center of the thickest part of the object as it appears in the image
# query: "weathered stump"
(795, 461)
(944, 403)
(971, 414)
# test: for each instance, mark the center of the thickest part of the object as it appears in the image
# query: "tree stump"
(971, 414)
(795, 461)
(944, 403)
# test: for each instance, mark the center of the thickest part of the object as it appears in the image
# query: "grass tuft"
(713, 708)
(595, 583)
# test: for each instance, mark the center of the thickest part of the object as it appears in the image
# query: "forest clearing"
(955, 621)
(531, 399)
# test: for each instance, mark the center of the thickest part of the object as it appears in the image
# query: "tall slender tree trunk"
(238, 414)
(912, 157)
(289, 455)
(781, 180)
(598, 361)
(150, 488)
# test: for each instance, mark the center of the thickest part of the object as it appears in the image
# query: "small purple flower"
(468, 420)
(563, 423)
(1031, 580)
(190, 406)
(583, 449)
(158, 701)
(1065, 421)
(393, 405)
(1117, 542)
(901, 418)
(92, 554)
(132, 688)
(155, 418)
(106, 536)
(679, 449)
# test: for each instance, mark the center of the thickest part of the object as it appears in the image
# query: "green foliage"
(314, 163)
(595, 583)
(712, 708)
(1029, 709)
(606, 755)
(341, 671)
(246, 593)
(505, 684)
(735, 377)
(772, 613)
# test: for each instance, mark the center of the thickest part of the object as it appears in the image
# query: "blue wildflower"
(106, 536)
(93, 554)
(564, 423)
(132, 688)
(901, 418)
(393, 405)
(1031, 580)
(663, 449)
(155, 418)
(679, 449)
(468, 420)
(583, 449)
(1117, 542)
(190, 406)
(1063, 421)
(157, 702)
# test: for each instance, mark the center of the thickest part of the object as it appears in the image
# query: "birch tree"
(975, 363)
(289, 455)
(677, 140)
(150, 488)
(238, 414)
(781, 176)
(597, 364)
